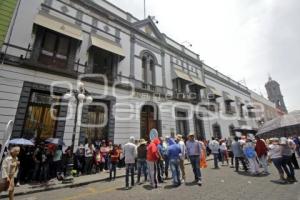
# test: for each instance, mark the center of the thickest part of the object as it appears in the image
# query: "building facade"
(264, 109)
(139, 78)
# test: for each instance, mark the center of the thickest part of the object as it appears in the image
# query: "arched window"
(148, 68)
(144, 68)
(151, 72)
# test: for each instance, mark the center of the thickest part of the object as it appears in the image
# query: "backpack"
(249, 152)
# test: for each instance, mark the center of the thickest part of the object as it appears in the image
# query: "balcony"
(149, 88)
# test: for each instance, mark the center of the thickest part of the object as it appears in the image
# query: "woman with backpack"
(249, 151)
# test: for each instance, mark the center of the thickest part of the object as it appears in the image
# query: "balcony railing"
(230, 110)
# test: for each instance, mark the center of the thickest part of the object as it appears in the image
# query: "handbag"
(4, 184)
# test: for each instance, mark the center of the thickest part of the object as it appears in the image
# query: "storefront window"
(97, 115)
(40, 120)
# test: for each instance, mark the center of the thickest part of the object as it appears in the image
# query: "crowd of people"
(154, 159)
(255, 153)
(151, 160)
(45, 161)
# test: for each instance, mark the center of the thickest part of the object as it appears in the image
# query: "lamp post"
(80, 95)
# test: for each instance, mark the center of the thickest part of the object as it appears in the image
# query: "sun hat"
(143, 141)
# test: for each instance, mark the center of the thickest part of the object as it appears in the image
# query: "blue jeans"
(166, 166)
(112, 169)
(216, 159)
(129, 170)
(141, 167)
(287, 166)
(278, 164)
(195, 162)
(174, 166)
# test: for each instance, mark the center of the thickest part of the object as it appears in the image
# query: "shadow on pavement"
(123, 189)
(191, 183)
(170, 187)
(147, 187)
(279, 182)
(251, 175)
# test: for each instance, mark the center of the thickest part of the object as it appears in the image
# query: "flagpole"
(144, 9)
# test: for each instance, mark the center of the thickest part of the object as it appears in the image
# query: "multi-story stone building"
(152, 81)
(263, 109)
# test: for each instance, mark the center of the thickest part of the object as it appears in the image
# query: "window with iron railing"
(55, 49)
(103, 62)
(251, 114)
(229, 109)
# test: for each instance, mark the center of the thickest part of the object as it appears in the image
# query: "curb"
(61, 186)
(58, 187)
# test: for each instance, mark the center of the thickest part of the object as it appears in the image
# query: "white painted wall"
(10, 90)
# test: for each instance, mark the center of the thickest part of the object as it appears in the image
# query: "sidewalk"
(54, 184)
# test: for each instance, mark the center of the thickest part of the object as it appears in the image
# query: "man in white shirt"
(130, 153)
(215, 147)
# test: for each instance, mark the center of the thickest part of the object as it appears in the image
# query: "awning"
(214, 91)
(198, 82)
(58, 25)
(250, 106)
(182, 75)
(228, 97)
(107, 45)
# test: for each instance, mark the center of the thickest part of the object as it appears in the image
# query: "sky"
(247, 40)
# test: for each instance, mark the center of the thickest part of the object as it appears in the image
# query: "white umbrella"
(21, 141)
(283, 121)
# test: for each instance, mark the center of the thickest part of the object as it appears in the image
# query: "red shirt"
(114, 155)
(152, 150)
(261, 148)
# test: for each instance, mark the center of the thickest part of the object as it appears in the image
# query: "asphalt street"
(222, 184)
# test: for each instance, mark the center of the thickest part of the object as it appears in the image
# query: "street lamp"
(80, 96)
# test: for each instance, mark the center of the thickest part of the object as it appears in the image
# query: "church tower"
(274, 94)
